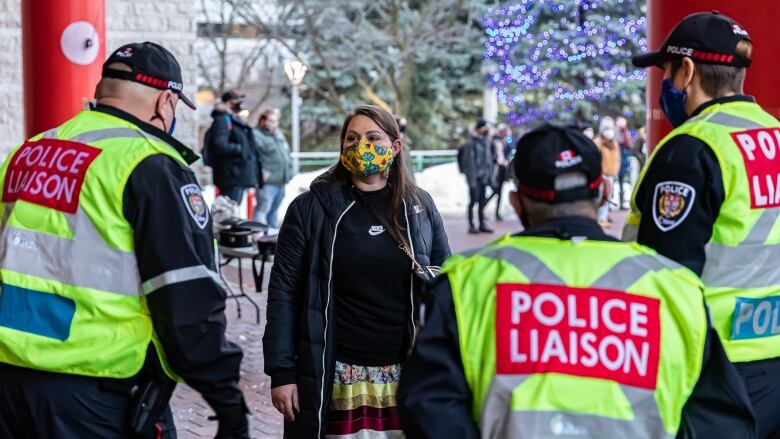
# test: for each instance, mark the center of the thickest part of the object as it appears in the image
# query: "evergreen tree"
(418, 59)
(567, 60)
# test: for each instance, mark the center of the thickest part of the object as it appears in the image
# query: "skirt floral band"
(363, 404)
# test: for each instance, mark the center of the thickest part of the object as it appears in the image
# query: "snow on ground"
(445, 184)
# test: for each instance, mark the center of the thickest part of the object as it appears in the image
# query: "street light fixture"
(295, 71)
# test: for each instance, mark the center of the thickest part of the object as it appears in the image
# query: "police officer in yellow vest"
(709, 197)
(563, 331)
(109, 285)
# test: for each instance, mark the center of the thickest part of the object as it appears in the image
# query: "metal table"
(264, 247)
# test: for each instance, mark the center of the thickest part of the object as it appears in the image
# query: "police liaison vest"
(71, 299)
(609, 346)
(742, 282)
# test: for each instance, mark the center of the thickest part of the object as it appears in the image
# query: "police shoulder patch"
(195, 204)
(672, 203)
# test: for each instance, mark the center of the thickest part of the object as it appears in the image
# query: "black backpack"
(207, 153)
(462, 157)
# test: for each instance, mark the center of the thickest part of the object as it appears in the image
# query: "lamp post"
(295, 71)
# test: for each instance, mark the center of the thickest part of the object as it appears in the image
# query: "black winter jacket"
(234, 152)
(476, 159)
(299, 340)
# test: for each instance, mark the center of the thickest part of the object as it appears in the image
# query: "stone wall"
(11, 112)
(170, 23)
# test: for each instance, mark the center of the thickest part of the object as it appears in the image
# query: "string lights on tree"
(566, 59)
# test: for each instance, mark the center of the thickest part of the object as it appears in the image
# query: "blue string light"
(530, 42)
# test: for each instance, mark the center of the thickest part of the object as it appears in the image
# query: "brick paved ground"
(191, 412)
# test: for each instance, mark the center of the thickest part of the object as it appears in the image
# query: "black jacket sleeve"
(719, 405)
(680, 231)
(434, 397)
(285, 289)
(176, 260)
(440, 244)
(220, 137)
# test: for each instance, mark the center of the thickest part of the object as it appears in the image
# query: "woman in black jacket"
(342, 295)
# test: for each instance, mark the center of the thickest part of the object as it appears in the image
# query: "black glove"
(233, 423)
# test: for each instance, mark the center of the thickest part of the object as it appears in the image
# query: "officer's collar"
(186, 153)
(568, 227)
(723, 100)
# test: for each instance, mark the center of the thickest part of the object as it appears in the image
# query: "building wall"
(170, 23)
(11, 111)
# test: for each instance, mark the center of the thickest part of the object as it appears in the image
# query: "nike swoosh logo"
(376, 230)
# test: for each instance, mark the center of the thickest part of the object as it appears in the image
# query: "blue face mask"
(672, 103)
(173, 121)
(173, 125)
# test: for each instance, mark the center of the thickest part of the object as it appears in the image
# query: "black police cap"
(550, 151)
(232, 94)
(705, 37)
(151, 65)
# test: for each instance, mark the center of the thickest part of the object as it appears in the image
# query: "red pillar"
(63, 45)
(756, 16)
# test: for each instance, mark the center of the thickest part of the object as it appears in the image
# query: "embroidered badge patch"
(196, 205)
(672, 202)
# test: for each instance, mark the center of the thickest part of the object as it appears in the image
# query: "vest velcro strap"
(180, 275)
(743, 266)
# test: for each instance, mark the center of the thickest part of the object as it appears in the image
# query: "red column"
(756, 16)
(63, 45)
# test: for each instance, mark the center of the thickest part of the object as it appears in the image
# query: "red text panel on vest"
(577, 331)
(48, 172)
(759, 148)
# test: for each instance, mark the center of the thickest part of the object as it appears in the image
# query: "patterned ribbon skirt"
(363, 405)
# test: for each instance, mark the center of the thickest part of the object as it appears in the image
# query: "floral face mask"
(364, 159)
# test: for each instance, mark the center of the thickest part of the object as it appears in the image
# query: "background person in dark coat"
(475, 160)
(320, 253)
(235, 164)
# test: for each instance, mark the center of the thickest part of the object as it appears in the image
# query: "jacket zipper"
(411, 278)
(327, 305)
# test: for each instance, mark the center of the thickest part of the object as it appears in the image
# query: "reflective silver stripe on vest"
(624, 274)
(496, 423)
(498, 400)
(51, 134)
(531, 266)
(763, 227)
(732, 121)
(744, 266)
(557, 425)
(84, 261)
(629, 270)
(180, 275)
(104, 134)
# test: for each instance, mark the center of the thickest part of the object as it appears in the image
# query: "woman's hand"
(285, 400)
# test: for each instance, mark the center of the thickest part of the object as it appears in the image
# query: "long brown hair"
(400, 179)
